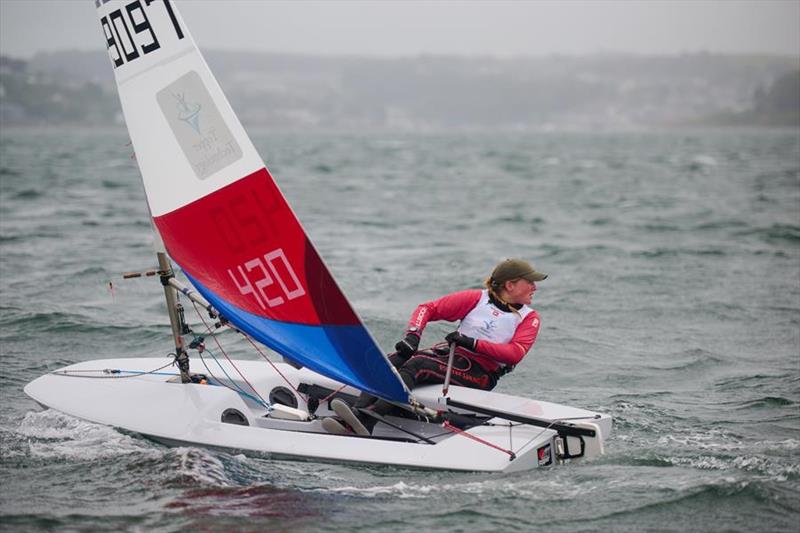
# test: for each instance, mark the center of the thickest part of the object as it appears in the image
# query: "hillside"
(432, 92)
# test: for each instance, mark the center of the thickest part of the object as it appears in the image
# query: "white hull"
(157, 406)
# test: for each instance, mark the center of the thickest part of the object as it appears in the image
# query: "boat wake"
(551, 487)
(50, 434)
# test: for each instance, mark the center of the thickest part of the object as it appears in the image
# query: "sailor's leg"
(349, 417)
(365, 400)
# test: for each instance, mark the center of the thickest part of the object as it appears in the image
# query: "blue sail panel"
(344, 353)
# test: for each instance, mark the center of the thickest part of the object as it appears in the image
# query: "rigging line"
(214, 336)
(134, 373)
(519, 450)
(510, 437)
(379, 418)
(218, 380)
(334, 393)
(443, 433)
(238, 388)
(275, 368)
(463, 433)
(222, 383)
(484, 424)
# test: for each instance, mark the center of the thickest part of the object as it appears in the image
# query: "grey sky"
(394, 28)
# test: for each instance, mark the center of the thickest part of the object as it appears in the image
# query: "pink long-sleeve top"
(490, 355)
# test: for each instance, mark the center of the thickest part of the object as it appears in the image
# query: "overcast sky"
(403, 28)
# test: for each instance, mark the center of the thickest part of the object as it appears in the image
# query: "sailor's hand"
(461, 340)
(408, 346)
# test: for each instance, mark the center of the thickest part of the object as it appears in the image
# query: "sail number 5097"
(259, 276)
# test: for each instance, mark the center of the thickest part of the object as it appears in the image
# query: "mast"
(175, 311)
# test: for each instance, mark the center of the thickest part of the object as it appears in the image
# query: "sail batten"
(219, 212)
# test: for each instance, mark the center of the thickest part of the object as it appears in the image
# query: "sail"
(218, 210)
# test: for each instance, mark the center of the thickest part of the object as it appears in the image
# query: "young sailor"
(497, 329)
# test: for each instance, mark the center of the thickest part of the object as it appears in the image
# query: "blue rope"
(219, 384)
(117, 371)
(238, 388)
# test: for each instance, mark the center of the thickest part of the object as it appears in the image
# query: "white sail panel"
(188, 140)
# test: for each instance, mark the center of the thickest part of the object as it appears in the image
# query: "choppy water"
(673, 303)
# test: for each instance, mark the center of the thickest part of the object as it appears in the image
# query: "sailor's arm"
(451, 307)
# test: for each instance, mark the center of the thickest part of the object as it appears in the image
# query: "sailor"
(497, 329)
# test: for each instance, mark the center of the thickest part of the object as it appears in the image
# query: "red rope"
(271, 363)
(262, 354)
(334, 393)
(457, 431)
(226, 355)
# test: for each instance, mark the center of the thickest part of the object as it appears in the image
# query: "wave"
(661, 252)
(772, 469)
(767, 401)
(662, 227)
(691, 359)
(323, 168)
(677, 510)
(518, 218)
(750, 381)
(111, 184)
(5, 171)
(49, 435)
(774, 234)
(57, 321)
(719, 224)
(4, 239)
(188, 466)
(514, 487)
(27, 194)
(702, 162)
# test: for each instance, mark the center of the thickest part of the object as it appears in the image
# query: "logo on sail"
(198, 125)
(188, 112)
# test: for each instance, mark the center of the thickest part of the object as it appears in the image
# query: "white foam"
(704, 160)
(720, 440)
(200, 466)
(771, 468)
(539, 489)
(713, 439)
(54, 435)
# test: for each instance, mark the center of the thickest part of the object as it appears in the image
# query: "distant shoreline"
(295, 92)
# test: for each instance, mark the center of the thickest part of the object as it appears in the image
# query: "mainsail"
(218, 210)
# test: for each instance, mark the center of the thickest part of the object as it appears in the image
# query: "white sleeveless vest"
(487, 322)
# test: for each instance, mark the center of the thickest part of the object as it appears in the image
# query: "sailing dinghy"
(220, 216)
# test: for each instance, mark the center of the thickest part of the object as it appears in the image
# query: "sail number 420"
(259, 276)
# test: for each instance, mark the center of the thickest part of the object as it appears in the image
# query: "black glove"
(408, 346)
(461, 340)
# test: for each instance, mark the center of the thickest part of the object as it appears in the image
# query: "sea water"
(673, 303)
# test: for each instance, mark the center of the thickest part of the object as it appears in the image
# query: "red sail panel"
(244, 243)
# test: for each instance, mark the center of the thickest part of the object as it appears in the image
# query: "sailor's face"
(520, 291)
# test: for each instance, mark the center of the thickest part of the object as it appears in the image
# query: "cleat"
(346, 413)
(333, 426)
